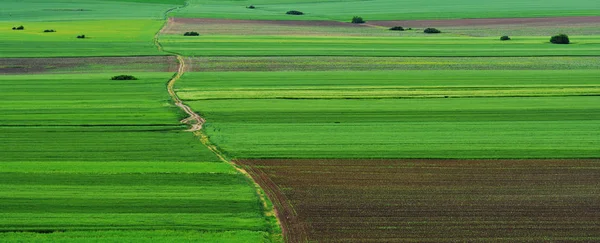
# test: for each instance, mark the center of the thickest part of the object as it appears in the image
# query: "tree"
(397, 28)
(432, 31)
(358, 20)
(191, 33)
(81, 37)
(560, 39)
(123, 77)
(504, 38)
(294, 12)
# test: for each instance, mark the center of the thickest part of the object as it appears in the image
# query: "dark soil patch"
(432, 200)
(483, 22)
(87, 64)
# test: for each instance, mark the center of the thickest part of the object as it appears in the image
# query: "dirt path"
(194, 120)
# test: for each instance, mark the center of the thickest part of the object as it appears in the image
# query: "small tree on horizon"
(358, 20)
(560, 39)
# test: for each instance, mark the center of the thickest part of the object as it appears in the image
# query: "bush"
(432, 31)
(251, 7)
(560, 39)
(358, 20)
(18, 28)
(192, 33)
(504, 38)
(81, 37)
(49, 31)
(123, 77)
(294, 12)
(397, 28)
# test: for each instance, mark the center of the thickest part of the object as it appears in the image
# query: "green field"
(379, 46)
(399, 114)
(343, 10)
(84, 156)
(88, 159)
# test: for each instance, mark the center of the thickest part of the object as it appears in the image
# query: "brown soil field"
(483, 22)
(433, 200)
(309, 23)
(88, 64)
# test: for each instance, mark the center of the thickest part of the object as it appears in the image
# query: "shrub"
(123, 77)
(432, 31)
(560, 39)
(294, 12)
(192, 33)
(19, 28)
(81, 37)
(397, 28)
(49, 31)
(409, 29)
(358, 20)
(504, 38)
(251, 7)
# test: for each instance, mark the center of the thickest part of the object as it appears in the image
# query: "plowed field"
(433, 200)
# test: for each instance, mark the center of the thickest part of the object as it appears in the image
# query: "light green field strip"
(60, 10)
(151, 236)
(376, 46)
(388, 84)
(343, 10)
(103, 38)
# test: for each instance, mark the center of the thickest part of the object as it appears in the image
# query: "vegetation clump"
(504, 38)
(397, 28)
(81, 37)
(251, 7)
(123, 77)
(294, 12)
(18, 28)
(358, 20)
(560, 39)
(432, 31)
(49, 31)
(191, 33)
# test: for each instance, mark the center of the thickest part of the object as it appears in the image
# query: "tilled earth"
(433, 200)
(87, 64)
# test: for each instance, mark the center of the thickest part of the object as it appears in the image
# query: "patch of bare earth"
(261, 27)
(485, 22)
(433, 200)
(87, 64)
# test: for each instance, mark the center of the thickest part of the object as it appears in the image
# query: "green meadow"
(343, 10)
(377, 46)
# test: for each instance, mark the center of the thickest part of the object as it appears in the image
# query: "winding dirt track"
(194, 120)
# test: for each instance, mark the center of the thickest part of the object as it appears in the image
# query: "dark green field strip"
(140, 236)
(324, 63)
(563, 127)
(437, 200)
(77, 49)
(100, 144)
(374, 46)
(200, 196)
(93, 99)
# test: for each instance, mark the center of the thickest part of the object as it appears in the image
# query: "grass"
(440, 46)
(93, 159)
(248, 116)
(123, 38)
(69, 198)
(61, 10)
(386, 9)
(315, 63)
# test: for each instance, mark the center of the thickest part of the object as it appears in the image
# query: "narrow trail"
(195, 121)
